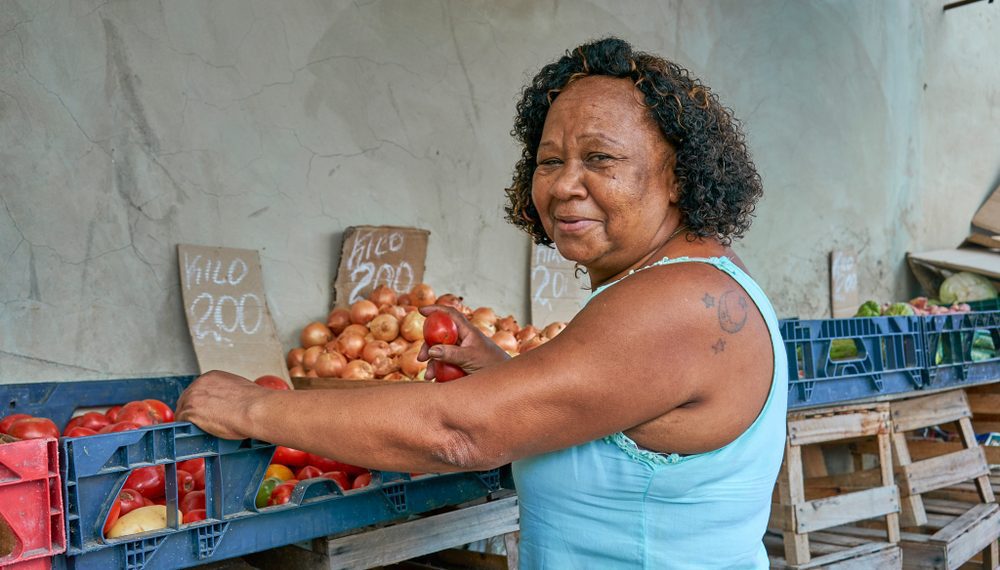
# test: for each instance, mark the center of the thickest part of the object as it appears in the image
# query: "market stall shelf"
(94, 469)
(405, 540)
(800, 521)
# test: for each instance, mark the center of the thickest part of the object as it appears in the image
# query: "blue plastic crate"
(985, 305)
(94, 469)
(888, 359)
(961, 349)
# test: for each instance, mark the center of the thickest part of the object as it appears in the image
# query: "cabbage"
(869, 309)
(964, 287)
(899, 310)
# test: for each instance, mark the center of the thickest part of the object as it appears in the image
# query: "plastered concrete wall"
(127, 127)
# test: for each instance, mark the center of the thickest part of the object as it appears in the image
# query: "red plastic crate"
(31, 508)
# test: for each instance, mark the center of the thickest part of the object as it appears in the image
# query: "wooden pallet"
(941, 533)
(375, 547)
(842, 552)
(800, 521)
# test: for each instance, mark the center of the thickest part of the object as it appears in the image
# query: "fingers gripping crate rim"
(885, 356)
(30, 504)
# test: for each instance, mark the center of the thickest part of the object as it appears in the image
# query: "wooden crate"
(941, 533)
(800, 519)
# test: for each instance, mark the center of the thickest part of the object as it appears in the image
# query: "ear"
(670, 176)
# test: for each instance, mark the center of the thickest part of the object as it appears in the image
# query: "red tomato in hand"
(194, 516)
(138, 413)
(119, 426)
(440, 329)
(112, 413)
(326, 465)
(282, 493)
(7, 421)
(340, 477)
(148, 481)
(130, 500)
(362, 480)
(33, 428)
(113, 515)
(443, 371)
(193, 501)
(185, 483)
(289, 457)
(79, 431)
(162, 411)
(308, 472)
(272, 382)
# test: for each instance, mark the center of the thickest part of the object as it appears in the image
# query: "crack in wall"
(461, 62)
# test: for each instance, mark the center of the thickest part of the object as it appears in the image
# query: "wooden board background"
(843, 284)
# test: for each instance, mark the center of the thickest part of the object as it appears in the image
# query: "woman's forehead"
(603, 103)
(600, 90)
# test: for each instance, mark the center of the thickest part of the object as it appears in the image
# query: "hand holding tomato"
(218, 402)
(473, 350)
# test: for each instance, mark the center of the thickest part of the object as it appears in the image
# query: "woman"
(650, 431)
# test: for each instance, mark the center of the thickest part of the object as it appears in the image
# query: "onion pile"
(380, 337)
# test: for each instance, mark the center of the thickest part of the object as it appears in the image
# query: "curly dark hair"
(718, 181)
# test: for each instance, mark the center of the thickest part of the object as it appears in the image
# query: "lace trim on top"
(645, 456)
(620, 440)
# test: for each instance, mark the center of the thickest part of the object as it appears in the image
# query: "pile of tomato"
(146, 486)
(289, 466)
(132, 415)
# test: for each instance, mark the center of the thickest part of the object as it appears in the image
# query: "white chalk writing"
(368, 269)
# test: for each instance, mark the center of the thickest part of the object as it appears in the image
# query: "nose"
(569, 182)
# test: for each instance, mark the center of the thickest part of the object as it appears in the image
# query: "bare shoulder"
(695, 297)
(695, 327)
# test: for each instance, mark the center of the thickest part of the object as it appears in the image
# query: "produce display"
(141, 504)
(965, 287)
(918, 306)
(380, 337)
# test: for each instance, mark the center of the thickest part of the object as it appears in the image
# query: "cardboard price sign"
(843, 284)
(226, 310)
(379, 255)
(556, 292)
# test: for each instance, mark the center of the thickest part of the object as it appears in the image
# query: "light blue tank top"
(610, 504)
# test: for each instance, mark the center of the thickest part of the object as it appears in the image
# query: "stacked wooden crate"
(942, 489)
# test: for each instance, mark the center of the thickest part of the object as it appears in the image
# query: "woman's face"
(604, 186)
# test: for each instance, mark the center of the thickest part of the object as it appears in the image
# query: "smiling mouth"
(571, 224)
